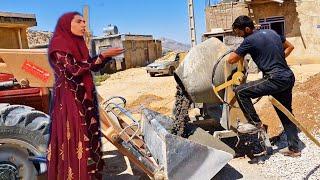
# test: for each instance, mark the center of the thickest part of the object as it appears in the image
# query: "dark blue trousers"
(278, 87)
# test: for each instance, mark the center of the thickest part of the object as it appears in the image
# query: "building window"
(275, 23)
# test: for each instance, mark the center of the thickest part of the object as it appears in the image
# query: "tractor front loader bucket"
(159, 153)
(200, 156)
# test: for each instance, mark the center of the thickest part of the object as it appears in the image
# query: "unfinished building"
(298, 20)
(13, 28)
(141, 50)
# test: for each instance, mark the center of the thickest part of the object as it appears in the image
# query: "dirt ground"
(157, 93)
(138, 88)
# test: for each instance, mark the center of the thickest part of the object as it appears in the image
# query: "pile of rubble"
(38, 38)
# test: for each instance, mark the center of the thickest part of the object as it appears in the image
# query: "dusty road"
(157, 93)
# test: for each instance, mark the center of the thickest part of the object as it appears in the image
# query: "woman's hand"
(112, 52)
(98, 61)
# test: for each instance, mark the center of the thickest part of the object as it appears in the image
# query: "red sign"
(36, 71)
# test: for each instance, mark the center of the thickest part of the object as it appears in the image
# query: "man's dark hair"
(242, 22)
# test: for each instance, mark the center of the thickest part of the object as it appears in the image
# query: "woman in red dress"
(74, 150)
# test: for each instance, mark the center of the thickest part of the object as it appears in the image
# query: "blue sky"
(160, 18)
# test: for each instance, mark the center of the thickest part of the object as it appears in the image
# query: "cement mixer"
(204, 67)
(206, 77)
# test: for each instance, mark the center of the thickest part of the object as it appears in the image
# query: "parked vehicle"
(166, 65)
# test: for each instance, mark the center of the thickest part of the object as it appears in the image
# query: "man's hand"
(112, 52)
(288, 47)
(234, 58)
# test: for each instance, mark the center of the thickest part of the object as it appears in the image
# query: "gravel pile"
(305, 167)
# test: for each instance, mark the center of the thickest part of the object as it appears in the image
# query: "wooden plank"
(277, 104)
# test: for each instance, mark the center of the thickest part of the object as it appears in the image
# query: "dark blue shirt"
(266, 49)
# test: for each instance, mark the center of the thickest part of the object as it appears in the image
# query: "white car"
(166, 64)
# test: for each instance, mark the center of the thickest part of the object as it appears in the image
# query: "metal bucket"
(200, 156)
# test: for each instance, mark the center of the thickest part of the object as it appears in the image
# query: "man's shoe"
(290, 153)
(247, 128)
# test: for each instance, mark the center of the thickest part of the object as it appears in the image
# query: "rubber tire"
(152, 74)
(24, 123)
(18, 157)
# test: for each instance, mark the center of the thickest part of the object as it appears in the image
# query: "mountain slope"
(172, 45)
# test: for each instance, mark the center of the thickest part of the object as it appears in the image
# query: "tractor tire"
(14, 164)
(26, 128)
(181, 116)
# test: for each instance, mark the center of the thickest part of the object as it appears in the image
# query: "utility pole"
(88, 35)
(192, 23)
